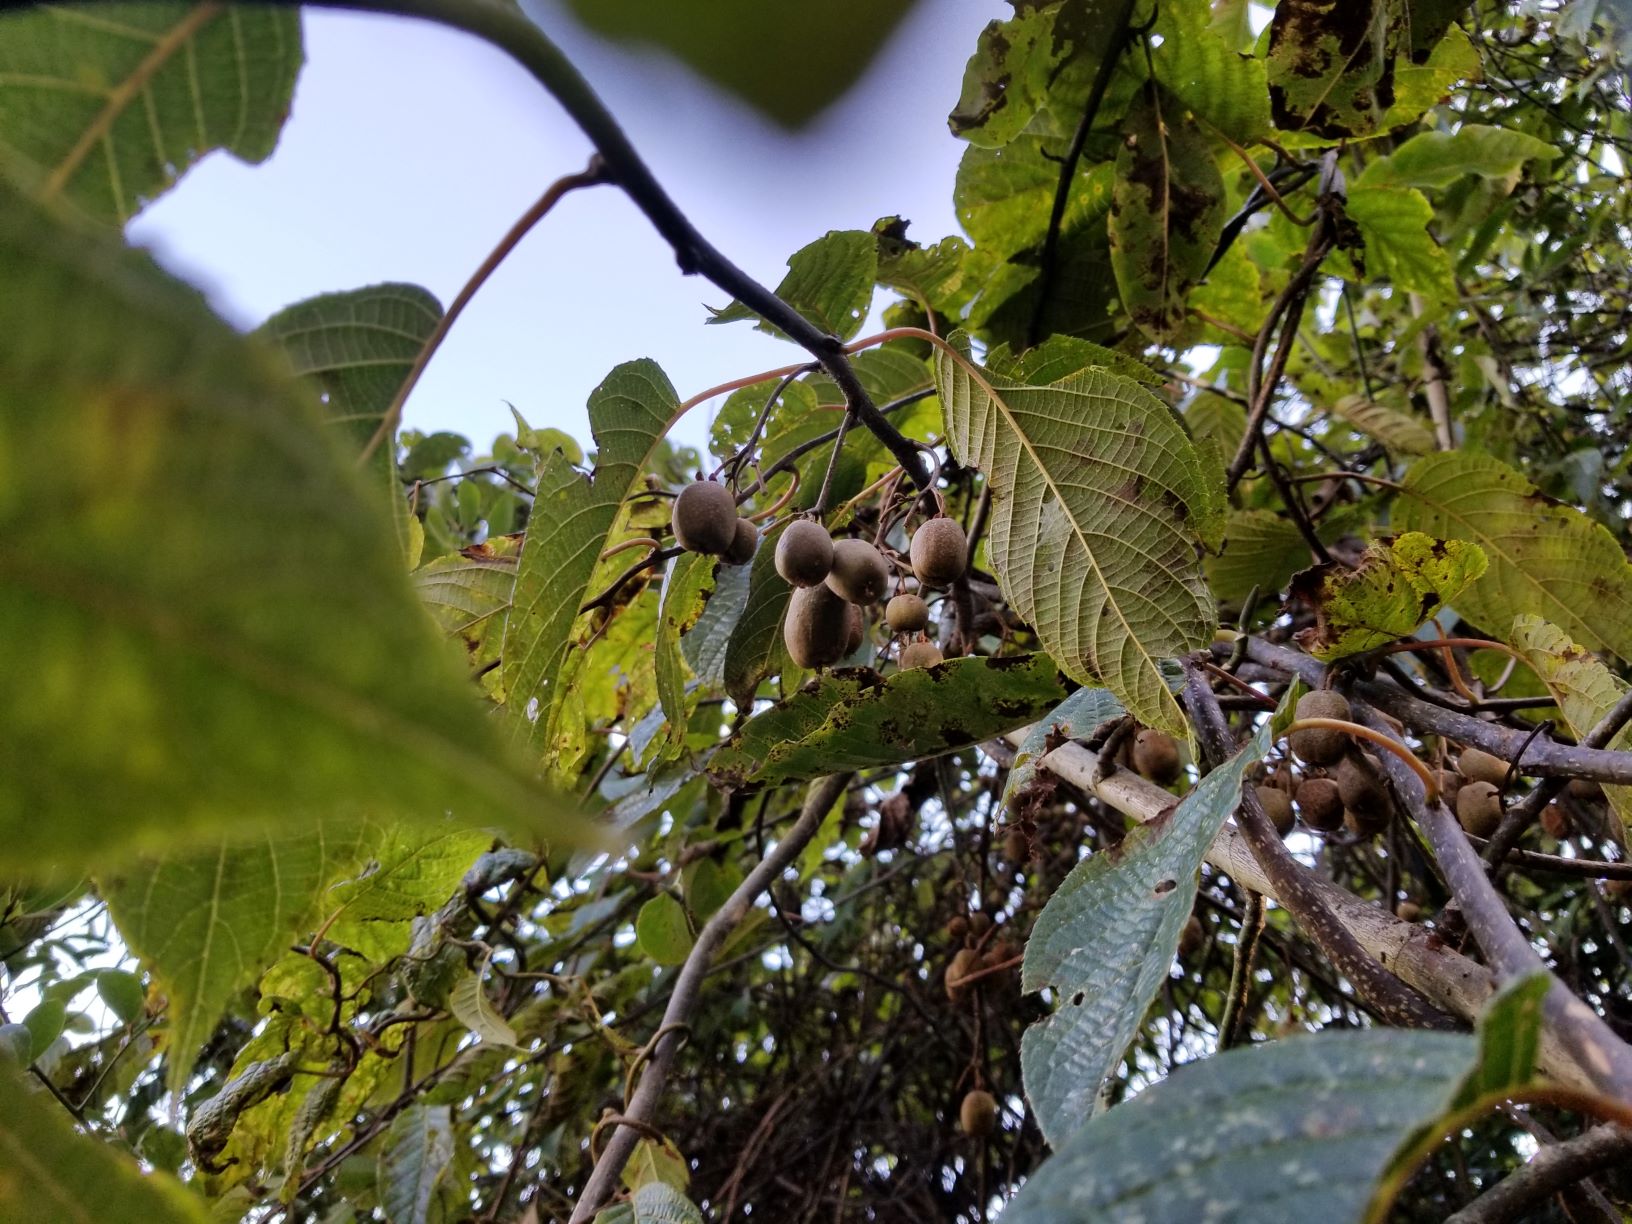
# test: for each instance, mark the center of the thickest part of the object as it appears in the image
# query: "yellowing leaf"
(1546, 558)
(1394, 589)
(1099, 501)
(469, 1003)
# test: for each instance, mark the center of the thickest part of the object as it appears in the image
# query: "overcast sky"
(411, 149)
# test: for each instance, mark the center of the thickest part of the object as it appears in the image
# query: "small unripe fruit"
(804, 553)
(1321, 745)
(957, 926)
(906, 613)
(859, 574)
(817, 627)
(1408, 911)
(920, 654)
(744, 543)
(1320, 805)
(1479, 808)
(965, 962)
(1191, 935)
(1156, 756)
(1480, 766)
(1278, 807)
(978, 1114)
(705, 518)
(1360, 784)
(939, 552)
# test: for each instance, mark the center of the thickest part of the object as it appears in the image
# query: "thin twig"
(1553, 1168)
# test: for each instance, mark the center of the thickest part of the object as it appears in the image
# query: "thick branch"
(642, 1106)
(1554, 1168)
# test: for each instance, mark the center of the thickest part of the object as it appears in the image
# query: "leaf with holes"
(107, 107)
(1331, 66)
(417, 1152)
(205, 620)
(1288, 1130)
(1105, 941)
(208, 923)
(850, 719)
(829, 282)
(1546, 558)
(1100, 498)
(1167, 212)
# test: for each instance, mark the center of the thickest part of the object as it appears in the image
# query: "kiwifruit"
(919, 654)
(859, 574)
(1191, 935)
(1320, 804)
(1016, 845)
(1480, 766)
(965, 962)
(1321, 745)
(1618, 890)
(1360, 783)
(1584, 789)
(979, 923)
(978, 1113)
(939, 552)
(1449, 782)
(957, 926)
(1408, 911)
(1556, 821)
(1156, 756)
(1479, 808)
(1367, 823)
(855, 629)
(705, 518)
(1278, 807)
(804, 553)
(906, 613)
(744, 543)
(817, 627)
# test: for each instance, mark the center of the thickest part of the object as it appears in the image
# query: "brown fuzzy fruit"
(939, 552)
(1480, 766)
(979, 923)
(919, 654)
(1321, 745)
(855, 629)
(965, 962)
(1156, 756)
(1408, 911)
(1191, 935)
(957, 926)
(1449, 783)
(906, 613)
(1278, 807)
(859, 574)
(804, 553)
(1368, 823)
(1556, 821)
(817, 627)
(1479, 808)
(1320, 804)
(1360, 783)
(1016, 846)
(744, 543)
(705, 518)
(978, 1113)
(1585, 789)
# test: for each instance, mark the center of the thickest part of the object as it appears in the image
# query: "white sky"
(410, 149)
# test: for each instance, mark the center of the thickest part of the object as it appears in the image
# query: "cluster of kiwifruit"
(834, 580)
(705, 521)
(1340, 786)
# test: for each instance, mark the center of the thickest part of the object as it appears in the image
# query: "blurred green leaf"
(417, 1152)
(663, 931)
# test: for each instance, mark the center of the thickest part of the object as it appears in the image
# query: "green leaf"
(708, 645)
(1287, 1130)
(122, 992)
(1438, 159)
(410, 875)
(851, 720)
(932, 274)
(1099, 500)
(657, 1203)
(1583, 687)
(1546, 559)
(207, 923)
(572, 517)
(1074, 718)
(1509, 1029)
(468, 1002)
(1401, 434)
(417, 1152)
(663, 931)
(1105, 941)
(686, 588)
(829, 282)
(206, 621)
(657, 1160)
(1397, 226)
(1196, 64)
(1388, 594)
(1261, 549)
(54, 1173)
(45, 1022)
(1423, 83)
(708, 886)
(1167, 212)
(106, 108)
(754, 649)
(787, 63)
(468, 594)
(1007, 77)
(1331, 66)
